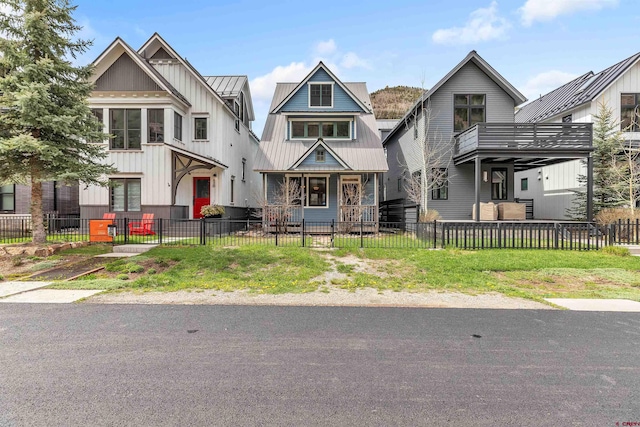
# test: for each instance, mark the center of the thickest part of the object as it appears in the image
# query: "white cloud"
(352, 60)
(263, 87)
(139, 31)
(484, 24)
(325, 47)
(547, 10)
(545, 82)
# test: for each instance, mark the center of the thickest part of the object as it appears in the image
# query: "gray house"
(471, 120)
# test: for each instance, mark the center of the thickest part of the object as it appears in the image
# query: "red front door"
(201, 195)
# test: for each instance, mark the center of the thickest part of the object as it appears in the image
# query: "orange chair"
(109, 215)
(143, 227)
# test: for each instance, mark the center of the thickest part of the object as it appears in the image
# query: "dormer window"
(320, 155)
(329, 129)
(321, 95)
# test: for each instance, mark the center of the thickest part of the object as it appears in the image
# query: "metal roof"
(577, 92)
(365, 153)
(226, 86)
(386, 124)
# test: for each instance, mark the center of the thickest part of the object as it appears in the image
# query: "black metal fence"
(362, 234)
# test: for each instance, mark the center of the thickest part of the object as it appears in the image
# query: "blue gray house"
(471, 119)
(320, 155)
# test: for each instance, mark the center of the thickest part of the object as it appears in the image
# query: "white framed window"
(125, 195)
(321, 95)
(237, 110)
(177, 126)
(339, 129)
(318, 192)
(320, 155)
(244, 166)
(200, 126)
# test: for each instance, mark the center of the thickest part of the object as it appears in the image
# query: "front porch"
(524, 146)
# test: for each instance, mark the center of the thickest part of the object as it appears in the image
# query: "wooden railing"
(355, 213)
(525, 136)
(272, 213)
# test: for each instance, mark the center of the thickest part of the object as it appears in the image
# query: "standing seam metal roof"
(568, 96)
(226, 86)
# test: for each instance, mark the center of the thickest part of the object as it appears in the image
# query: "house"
(321, 144)
(180, 140)
(618, 87)
(57, 199)
(468, 118)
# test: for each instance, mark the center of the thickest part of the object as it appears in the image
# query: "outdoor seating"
(109, 215)
(144, 227)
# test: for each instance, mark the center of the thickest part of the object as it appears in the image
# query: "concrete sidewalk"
(596, 304)
(31, 292)
(12, 288)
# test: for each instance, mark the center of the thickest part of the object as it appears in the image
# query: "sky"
(537, 45)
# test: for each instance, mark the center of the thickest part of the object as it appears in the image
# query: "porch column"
(478, 165)
(589, 215)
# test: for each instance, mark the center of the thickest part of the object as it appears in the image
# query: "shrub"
(132, 267)
(151, 271)
(610, 215)
(616, 250)
(17, 261)
(122, 277)
(211, 210)
(430, 216)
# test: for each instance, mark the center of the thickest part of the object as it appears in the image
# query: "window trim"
(13, 193)
(125, 130)
(149, 110)
(126, 193)
(177, 124)
(320, 122)
(309, 84)
(244, 166)
(524, 184)
(506, 182)
(206, 128)
(437, 190)
(468, 107)
(637, 106)
(93, 112)
(323, 158)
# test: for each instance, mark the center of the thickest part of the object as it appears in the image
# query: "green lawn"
(532, 274)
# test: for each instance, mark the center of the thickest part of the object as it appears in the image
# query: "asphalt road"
(92, 365)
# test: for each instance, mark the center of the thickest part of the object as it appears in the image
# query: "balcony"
(526, 144)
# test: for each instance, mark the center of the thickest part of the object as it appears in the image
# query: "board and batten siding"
(342, 102)
(125, 75)
(401, 149)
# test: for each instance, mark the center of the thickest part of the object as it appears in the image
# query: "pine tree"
(608, 148)
(46, 120)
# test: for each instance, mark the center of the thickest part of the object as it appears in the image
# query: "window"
(155, 123)
(567, 119)
(499, 184)
(244, 165)
(524, 184)
(320, 155)
(320, 95)
(233, 196)
(318, 192)
(237, 110)
(467, 111)
(242, 114)
(200, 126)
(125, 195)
(440, 189)
(415, 130)
(630, 112)
(98, 113)
(341, 129)
(126, 128)
(177, 126)
(399, 184)
(7, 198)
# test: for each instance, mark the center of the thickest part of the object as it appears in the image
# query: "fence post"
(160, 231)
(126, 230)
(303, 232)
(202, 232)
(276, 231)
(555, 235)
(361, 237)
(435, 233)
(332, 231)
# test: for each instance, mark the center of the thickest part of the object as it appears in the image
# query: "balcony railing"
(525, 137)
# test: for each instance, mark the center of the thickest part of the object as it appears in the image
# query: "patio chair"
(109, 215)
(143, 227)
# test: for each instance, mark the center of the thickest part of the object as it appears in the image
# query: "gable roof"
(320, 143)
(572, 95)
(230, 87)
(144, 65)
(167, 47)
(484, 66)
(335, 79)
(276, 153)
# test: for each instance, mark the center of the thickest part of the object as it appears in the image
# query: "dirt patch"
(70, 270)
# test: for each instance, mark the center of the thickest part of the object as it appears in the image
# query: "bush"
(616, 250)
(122, 277)
(211, 210)
(430, 216)
(151, 271)
(610, 215)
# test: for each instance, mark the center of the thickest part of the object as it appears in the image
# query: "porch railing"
(355, 213)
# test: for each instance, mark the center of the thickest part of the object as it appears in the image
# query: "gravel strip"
(327, 297)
